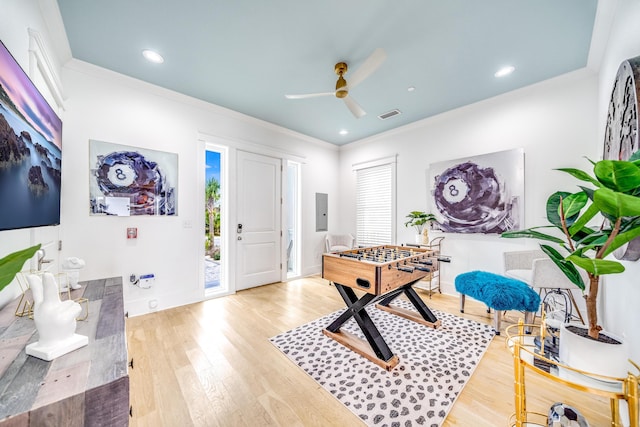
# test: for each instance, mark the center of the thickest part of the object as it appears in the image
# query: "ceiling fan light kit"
(342, 87)
(341, 84)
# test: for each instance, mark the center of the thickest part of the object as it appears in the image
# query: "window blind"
(375, 205)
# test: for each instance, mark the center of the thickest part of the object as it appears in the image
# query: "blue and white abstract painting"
(479, 194)
(132, 181)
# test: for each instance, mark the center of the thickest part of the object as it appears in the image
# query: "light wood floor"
(211, 364)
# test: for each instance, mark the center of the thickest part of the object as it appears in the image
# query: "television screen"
(30, 151)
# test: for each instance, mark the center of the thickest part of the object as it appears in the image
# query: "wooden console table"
(89, 386)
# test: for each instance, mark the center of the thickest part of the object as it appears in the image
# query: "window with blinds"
(375, 204)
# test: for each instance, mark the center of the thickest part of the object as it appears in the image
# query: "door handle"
(239, 230)
(239, 237)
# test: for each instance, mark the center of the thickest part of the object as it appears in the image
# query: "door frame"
(230, 187)
(225, 283)
(297, 241)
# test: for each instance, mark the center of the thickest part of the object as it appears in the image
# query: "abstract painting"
(621, 138)
(132, 181)
(479, 194)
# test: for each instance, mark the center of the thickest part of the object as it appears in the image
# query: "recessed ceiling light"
(505, 71)
(153, 56)
(411, 88)
(344, 132)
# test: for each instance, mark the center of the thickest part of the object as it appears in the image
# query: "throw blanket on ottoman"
(498, 292)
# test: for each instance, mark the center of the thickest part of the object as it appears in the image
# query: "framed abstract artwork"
(479, 194)
(621, 138)
(128, 181)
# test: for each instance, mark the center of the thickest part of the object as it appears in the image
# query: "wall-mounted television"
(30, 151)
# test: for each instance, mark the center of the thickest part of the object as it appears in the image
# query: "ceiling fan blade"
(354, 107)
(369, 65)
(309, 95)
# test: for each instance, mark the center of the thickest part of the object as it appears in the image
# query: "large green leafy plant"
(12, 264)
(616, 201)
(418, 219)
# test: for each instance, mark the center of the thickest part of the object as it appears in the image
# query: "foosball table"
(382, 273)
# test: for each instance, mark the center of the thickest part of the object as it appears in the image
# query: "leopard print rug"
(435, 364)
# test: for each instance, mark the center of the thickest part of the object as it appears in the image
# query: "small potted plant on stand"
(615, 198)
(418, 220)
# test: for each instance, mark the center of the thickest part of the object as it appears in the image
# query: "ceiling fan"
(367, 68)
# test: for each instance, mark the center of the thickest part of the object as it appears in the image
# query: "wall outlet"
(146, 280)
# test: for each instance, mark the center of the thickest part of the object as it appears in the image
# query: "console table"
(86, 387)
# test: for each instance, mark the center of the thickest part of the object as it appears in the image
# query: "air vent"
(389, 114)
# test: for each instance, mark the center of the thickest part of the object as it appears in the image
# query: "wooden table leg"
(424, 316)
(377, 351)
(382, 354)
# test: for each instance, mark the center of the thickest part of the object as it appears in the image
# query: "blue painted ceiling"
(245, 55)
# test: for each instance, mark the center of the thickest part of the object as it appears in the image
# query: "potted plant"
(616, 200)
(11, 264)
(418, 220)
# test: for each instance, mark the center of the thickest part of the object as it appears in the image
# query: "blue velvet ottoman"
(499, 293)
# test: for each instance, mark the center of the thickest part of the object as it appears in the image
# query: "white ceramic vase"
(594, 356)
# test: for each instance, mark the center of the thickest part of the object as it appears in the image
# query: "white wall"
(16, 19)
(556, 122)
(620, 293)
(553, 121)
(106, 106)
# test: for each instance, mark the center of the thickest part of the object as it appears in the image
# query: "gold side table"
(526, 357)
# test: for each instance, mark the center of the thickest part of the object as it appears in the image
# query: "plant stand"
(527, 357)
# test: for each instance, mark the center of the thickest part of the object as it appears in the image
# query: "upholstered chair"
(339, 242)
(536, 269)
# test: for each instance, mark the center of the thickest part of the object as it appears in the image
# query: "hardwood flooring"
(211, 364)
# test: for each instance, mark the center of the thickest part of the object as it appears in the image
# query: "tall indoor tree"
(613, 206)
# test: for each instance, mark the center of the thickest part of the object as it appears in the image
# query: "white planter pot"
(593, 356)
(418, 239)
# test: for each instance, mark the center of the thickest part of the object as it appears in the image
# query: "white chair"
(536, 269)
(339, 242)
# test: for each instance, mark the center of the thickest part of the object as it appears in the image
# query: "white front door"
(258, 230)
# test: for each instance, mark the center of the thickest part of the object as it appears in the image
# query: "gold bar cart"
(526, 356)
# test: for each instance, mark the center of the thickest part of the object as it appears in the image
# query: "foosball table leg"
(356, 309)
(424, 315)
(422, 308)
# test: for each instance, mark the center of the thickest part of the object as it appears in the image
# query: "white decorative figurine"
(55, 320)
(72, 267)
